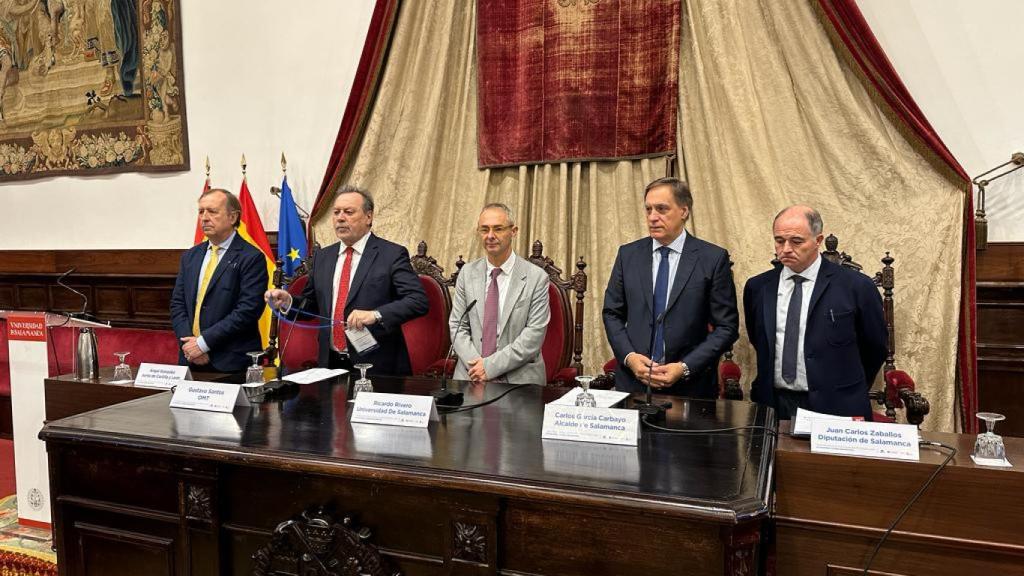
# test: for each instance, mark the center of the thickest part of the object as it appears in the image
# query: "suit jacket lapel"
(770, 302)
(327, 261)
(365, 263)
(822, 282)
(645, 262)
(687, 262)
(477, 280)
(516, 285)
(224, 262)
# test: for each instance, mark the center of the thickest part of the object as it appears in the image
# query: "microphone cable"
(920, 491)
(650, 424)
(484, 403)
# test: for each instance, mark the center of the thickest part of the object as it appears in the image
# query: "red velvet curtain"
(853, 30)
(360, 99)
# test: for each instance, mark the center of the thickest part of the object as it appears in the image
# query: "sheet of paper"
(604, 398)
(802, 422)
(314, 375)
(362, 340)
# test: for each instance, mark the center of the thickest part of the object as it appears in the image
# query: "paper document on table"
(802, 422)
(314, 375)
(362, 340)
(604, 398)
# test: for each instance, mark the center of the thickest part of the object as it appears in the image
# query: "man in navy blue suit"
(217, 299)
(363, 281)
(670, 305)
(817, 327)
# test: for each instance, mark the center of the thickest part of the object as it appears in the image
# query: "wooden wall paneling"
(1001, 334)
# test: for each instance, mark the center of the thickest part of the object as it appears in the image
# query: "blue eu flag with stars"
(291, 234)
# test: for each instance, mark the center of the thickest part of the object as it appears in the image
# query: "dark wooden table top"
(497, 448)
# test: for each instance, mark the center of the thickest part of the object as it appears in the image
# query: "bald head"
(797, 231)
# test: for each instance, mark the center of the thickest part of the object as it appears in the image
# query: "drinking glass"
(254, 375)
(122, 372)
(585, 398)
(989, 446)
(363, 384)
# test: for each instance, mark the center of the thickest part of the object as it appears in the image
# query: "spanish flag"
(251, 228)
(199, 236)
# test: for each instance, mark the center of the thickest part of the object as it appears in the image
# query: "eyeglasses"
(485, 230)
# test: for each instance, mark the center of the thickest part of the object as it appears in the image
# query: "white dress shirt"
(357, 253)
(503, 280)
(785, 294)
(223, 249)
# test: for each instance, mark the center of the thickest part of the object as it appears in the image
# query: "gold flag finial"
(207, 167)
(284, 163)
(243, 164)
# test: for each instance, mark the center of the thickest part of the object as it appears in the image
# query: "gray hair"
(350, 189)
(814, 221)
(504, 208)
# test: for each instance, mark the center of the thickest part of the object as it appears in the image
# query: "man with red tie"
(363, 281)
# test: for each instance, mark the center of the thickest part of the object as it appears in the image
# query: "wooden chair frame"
(572, 351)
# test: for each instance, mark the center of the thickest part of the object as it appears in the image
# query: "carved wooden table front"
(292, 487)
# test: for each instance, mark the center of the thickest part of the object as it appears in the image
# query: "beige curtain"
(419, 158)
(772, 116)
(769, 117)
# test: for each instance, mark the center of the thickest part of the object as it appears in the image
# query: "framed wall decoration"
(91, 87)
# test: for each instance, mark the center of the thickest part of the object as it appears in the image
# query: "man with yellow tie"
(218, 295)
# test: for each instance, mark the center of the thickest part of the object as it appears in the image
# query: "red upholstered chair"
(563, 343)
(898, 391)
(729, 376)
(299, 339)
(428, 337)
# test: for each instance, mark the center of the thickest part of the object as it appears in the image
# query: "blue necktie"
(660, 299)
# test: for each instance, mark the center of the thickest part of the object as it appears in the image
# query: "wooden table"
(139, 488)
(830, 512)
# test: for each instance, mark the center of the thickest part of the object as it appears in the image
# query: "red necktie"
(339, 305)
(489, 344)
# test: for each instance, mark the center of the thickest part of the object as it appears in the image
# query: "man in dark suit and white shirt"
(818, 328)
(363, 281)
(676, 291)
(217, 299)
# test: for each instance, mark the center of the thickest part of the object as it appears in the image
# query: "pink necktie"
(490, 336)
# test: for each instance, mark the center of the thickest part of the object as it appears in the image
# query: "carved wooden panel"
(113, 552)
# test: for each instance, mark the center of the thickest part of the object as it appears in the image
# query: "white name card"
(394, 409)
(163, 376)
(581, 424)
(210, 396)
(871, 439)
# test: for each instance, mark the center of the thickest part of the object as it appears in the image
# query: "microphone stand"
(443, 396)
(279, 384)
(653, 412)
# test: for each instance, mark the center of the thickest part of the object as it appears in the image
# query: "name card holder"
(867, 439)
(582, 424)
(394, 409)
(162, 376)
(209, 396)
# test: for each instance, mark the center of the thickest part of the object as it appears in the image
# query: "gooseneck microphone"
(279, 382)
(443, 396)
(85, 299)
(653, 412)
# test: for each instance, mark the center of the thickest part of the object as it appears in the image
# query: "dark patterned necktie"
(792, 337)
(490, 337)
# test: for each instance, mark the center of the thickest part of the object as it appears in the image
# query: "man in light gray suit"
(501, 337)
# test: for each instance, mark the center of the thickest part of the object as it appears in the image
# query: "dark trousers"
(787, 401)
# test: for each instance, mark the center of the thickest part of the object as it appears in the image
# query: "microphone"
(653, 412)
(443, 396)
(278, 383)
(85, 299)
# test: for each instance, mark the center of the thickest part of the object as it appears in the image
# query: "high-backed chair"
(563, 343)
(898, 391)
(428, 337)
(297, 340)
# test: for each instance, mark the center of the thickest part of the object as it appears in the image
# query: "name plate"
(581, 424)
(871, 439)
(394, 409)
(210, 396)
(163, 376)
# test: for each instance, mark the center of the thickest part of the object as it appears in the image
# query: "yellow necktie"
(207, 274)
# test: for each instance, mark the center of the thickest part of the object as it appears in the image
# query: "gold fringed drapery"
(771, 116)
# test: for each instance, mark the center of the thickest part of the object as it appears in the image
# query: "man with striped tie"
(218, 295)
(501, 337)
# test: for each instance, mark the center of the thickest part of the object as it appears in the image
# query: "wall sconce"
(980, 222)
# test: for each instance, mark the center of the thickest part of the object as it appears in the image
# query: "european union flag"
(291, 234)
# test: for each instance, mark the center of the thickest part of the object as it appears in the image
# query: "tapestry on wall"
(90, 87)
(576, 80)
